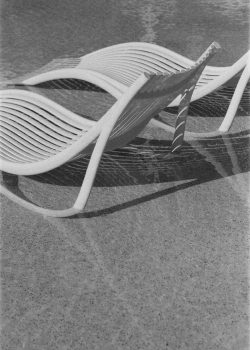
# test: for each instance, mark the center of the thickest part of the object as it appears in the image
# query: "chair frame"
(161, 87)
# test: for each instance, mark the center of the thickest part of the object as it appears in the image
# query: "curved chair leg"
(28, 205)
(228, 119)
(85, 190)
(232, 109)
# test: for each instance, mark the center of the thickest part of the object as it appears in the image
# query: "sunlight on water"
(236, 9)
(150, 13)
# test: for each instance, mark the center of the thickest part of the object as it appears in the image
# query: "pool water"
(35, 32)
(159, 258)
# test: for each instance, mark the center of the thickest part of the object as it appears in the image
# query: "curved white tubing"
(221, 80)
(232, 109)
(50, 124)
(115, 88)
(35, 208)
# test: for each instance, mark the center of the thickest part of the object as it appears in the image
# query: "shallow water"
(159, 259)
(35, 32)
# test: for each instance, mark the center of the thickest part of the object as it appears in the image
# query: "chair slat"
(38, 129)
(30, 137)
(140, 57)
(22, 149)
(14, 154)
(51, 114)
(29, 143)
(38, 116)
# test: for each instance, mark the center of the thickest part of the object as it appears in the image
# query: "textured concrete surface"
(159, 260)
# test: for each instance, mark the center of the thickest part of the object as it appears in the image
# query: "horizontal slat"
(51, 114)
(4, 156)
(20, 149)
(39, 130)
(137, 65)
(30, 137)
(156, 50)
(27, 143)
(47, 120)
(141, 57)
(14, 155)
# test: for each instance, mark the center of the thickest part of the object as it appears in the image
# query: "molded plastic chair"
(118, 66)
(39, 135)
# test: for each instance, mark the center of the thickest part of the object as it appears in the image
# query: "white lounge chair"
(117, 67)
(38, 135)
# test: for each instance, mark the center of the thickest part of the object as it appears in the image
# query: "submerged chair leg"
(19, 199)
(234, 104)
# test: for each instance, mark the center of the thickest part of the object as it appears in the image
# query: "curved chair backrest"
(124, 63)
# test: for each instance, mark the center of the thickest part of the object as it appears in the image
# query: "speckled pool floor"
(159, 260)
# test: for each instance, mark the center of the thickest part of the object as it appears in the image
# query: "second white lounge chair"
(117, 67)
